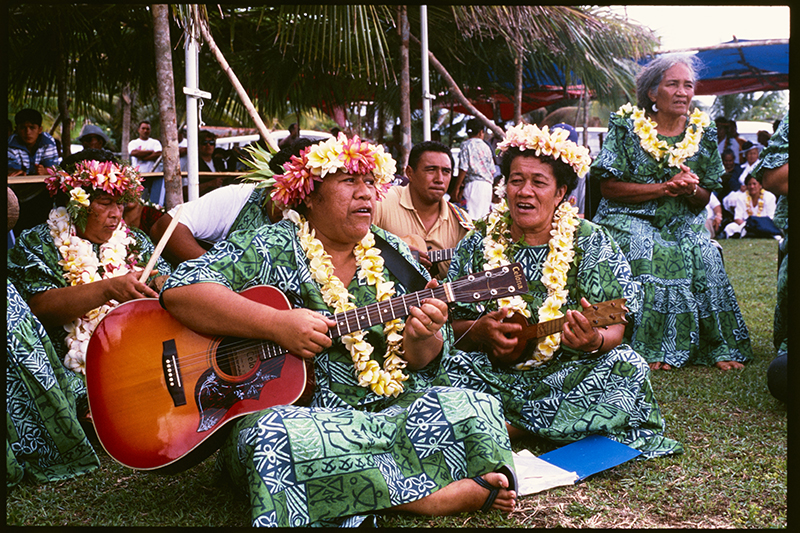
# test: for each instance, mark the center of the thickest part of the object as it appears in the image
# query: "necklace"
(81, 265)
(676, 154)
(759, 207)
(386, 381)
(498, 251)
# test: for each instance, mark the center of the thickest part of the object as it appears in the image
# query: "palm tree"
(166, 104)
(352, 46)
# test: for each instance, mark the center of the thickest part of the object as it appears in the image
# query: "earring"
(654, 108)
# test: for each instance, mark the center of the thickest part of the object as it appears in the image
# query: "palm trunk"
(519, 62)
(251, 109)
(405, 89)
(63, 105)
(166, 106)
(126, 120)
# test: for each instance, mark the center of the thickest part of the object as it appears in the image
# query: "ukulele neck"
(437, 256)
(550, 327)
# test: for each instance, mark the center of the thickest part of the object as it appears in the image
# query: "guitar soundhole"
(237, 357)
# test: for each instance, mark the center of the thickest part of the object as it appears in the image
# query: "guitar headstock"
(500, 282)
(607, 313)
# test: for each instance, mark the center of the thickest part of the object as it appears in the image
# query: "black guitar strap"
(404, 271)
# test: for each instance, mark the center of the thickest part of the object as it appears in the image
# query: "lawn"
(733, 474)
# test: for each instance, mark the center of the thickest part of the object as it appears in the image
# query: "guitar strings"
(229, 347)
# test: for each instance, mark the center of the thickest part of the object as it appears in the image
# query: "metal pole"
(426, 94)
(192, 152)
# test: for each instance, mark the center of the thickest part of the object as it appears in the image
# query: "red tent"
(531, 99)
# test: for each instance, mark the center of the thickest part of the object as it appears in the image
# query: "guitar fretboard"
(380, 312)
(368, 316)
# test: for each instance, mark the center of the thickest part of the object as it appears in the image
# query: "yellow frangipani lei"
(760, 206)
(554, 271)
(81, 266)
(648, 135)
(386, 381)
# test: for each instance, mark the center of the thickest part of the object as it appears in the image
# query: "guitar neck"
(380, 312)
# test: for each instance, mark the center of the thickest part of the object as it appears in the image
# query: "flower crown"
(555, 144)
(89, 178)
(352, 156)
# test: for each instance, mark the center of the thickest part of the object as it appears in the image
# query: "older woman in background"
(657, 168)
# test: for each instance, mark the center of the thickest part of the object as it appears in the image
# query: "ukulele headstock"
(607, 313)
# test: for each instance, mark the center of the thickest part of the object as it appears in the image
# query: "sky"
(690, 26)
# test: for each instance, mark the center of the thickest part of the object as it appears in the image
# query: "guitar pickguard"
(215, 396)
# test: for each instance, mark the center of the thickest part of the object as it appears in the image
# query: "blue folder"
(590, 455)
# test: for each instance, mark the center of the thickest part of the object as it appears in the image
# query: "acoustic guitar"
(599, 315)
(161, 394)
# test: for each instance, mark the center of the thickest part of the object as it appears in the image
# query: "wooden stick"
(161, 244)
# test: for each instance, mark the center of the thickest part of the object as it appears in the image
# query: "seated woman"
(657, 168)
(756, 202)
(376, 436)
(580, 381)
(84, 260)
(44, 440)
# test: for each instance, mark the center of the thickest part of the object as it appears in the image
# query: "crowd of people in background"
(671, 181)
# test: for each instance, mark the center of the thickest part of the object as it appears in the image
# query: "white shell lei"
(81, 265)
(386, 381)
(648, 136)
(554, 271)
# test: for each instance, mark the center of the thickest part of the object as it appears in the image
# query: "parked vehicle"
(227, 143)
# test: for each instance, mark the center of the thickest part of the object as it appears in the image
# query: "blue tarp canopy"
(743, 69)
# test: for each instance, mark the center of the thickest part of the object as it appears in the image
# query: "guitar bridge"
(172, 372)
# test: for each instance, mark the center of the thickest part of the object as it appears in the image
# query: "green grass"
(733, 474)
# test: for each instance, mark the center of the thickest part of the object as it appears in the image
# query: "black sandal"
(494, 491)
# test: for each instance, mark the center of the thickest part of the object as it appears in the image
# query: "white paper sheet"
(535, 475)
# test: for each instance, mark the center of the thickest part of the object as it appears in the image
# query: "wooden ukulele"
(159, 392)
(599, 315)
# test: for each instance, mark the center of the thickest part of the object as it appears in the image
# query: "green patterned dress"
(573, 395)
(33, 267)
(689, 313)
(253, 213)
(776, 155)
(44, 441)
(349, 453)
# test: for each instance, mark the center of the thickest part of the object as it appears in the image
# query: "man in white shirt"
(144, 152)
(212, 217)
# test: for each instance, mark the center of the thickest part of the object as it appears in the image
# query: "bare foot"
(464, 495)
(515, 433)
(659, 365)
(728, 365)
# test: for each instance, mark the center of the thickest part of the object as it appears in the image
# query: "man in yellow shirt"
(418, 212)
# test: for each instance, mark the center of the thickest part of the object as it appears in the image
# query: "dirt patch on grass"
(578, 509)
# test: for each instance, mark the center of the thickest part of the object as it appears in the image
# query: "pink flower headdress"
(352, 156)
(90, 178)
